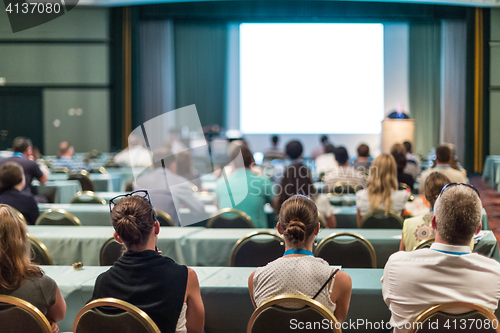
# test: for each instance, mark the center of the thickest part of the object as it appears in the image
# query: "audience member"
(400, 159)
(448, 271)
(398, 113)
(135, 155)
(22, 148)
(66, 159)
(294, 150)
(413, 165)
(344, 173)
(321, 149)
(169, 293)
(274, 152)
(249, 192)
(185, 168)
(22, 279)
(382, 189)
(12, 182)
(418, 228)
(298, 272)
(443, 156)
(326, 162)
(362, 163)
(454, 163)
(297, 179)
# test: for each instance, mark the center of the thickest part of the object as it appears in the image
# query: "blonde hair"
(383, 180)
(15, 264)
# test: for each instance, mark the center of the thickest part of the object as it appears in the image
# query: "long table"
(103, 182)
(198, 246)
(59, 191)
(491, 171)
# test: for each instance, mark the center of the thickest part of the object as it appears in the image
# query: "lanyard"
(18, 154)
(450, 252)
(299, 251)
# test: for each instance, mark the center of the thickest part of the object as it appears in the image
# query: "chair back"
(274, 316)
(230, 218)
(404, 186)
(19, 316)
(425, 244)
(257, 249)
(163, 218)
(101, 170)
(379, 220)
(117, 316)
(57, 217)
(348, 250)
(342, 188)
(60, 170)
(444, 318)
(19, 214)
(110, 252)
(87, 197)
(84, 178)
(39, 253)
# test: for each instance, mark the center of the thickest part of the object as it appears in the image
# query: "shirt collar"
(450, 249)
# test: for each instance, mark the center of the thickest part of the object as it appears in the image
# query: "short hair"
(433, 186)
(341, 155)
(298, 218)
(363, 150)
(329, 149)
(323, 139)
(400, 159)
(443, 154)
(399, 147)
(133, 220)
(21, 144)
(458, 214)
(294, 149)
(11, 174)
(63, 148)
(407, 145)
(275, 139)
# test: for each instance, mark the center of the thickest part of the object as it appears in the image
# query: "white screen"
(311, 78)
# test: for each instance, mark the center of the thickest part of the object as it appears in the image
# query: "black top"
(155, 284)
(405, 178)
(31, 169)
(23, 202)
(395, 115)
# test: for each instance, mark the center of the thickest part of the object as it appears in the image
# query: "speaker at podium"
(397, 131)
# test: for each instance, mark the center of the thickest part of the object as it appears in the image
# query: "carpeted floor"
(491, 203)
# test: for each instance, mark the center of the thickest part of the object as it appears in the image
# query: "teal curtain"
(200, 68)
(424, 83)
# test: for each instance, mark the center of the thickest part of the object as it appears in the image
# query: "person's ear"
(433, 223)
(280, 229)
(318, 227)
(479, 228)
(117, 238)
(157, 227)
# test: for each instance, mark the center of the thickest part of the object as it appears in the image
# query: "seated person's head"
(65, 149)
(407, 145)
(294, 149)
(11, 175)
(323, 139)
(298, 221)
(457, 214)
(274, 140)
(246, 154)
(329, 149)
(433, 186)
(363, 150)
(383, 174)
(341, 156)
(399, 147)
(443, 154)
(400, 159)
(21, 144)
(134, 221)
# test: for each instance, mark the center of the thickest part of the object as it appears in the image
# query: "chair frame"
(43, 247)
(244, 239)
(342, 184)
(34, 311)
(165, 215)
(89, 193)
(230, 210)
(446, 306)
(405, 186)
(101, 253)
(83, 173)
(363, 240)
(130, 308)
(302, 300)
(399, 218)
(424, 243)
(63, 211)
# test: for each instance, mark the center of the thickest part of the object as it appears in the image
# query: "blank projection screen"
(311, 78)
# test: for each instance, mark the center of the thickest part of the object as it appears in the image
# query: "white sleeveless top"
(303, 275)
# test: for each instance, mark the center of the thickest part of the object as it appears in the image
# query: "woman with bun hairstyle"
(169, 293)
(19, 277)
(298, 272)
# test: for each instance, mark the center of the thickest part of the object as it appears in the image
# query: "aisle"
(491, 203)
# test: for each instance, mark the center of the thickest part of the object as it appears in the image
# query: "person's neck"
(305, 246)
(150, 245)
(66, 156)
(362, 159)
(439, 164)
(346, 165)
(19, 186)
(439, 240)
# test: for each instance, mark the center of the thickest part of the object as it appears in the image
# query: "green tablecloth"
(491, 170)
(103, 182)
(200, 246)
(61, 191)
(207, 198)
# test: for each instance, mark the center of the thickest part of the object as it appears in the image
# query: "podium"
(397, 131)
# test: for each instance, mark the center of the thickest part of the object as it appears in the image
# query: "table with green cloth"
(491, 170)
(58, 191)
(225, 295)
(199, 246)
(103, 182)
(205, 197)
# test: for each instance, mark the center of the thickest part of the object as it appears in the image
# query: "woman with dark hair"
(19, 277)
(12, 182)
(169, 293)
(298, 272)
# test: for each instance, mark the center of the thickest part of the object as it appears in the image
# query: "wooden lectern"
(397, 131)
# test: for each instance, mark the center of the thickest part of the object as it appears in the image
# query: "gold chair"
(379, 220)
(436, 318)
(84, 178)
(353, 251)
(342, 188)
(230, 218)
(102, 170)
(17, 316)
(60, 170)
(39, 252)
(110, 252)
(424, 244)
(87, 197)
(164, 218)
(57, 217)
(132, 319)
(272, 316)
(404, 186)
(257, 249)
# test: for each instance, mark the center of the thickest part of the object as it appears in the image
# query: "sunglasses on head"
(456, 184)
(139, 193)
